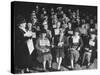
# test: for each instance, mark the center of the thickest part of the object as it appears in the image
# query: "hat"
(77, 30)
(23, 21)
(20, 19)
(43, 31)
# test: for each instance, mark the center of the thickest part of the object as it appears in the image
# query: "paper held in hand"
(44, 43)
(70, 32)
(57, 31)
(54, 26)
(30, 46)
(33, 35)
(92, 43)
(28, 34)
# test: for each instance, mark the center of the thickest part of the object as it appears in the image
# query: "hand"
(33, 35)
(78, 49)
(90, 50)
(42, 51)
(28, 34)
(60, 44)
(52, 46)
(46, 50)
(86, 49)
(70, 32)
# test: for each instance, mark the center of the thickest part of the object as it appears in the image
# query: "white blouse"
(75, 39)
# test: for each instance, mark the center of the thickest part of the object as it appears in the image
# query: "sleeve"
(20, 35)
(95, 47)
(52, 40)
(50, 34)
(81, 43)
(66, 42)
(69, 41)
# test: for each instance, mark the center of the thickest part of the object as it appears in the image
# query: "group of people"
(55, 37)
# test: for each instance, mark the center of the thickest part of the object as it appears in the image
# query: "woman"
(21, 49)
(59, 47)
(31, 35)
(54, 20)
(65, 19)
(43, 50)
(90, 49)
(69, 30)
(75, 45)
(48, 35)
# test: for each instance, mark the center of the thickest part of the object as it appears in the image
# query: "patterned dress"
(43, 50)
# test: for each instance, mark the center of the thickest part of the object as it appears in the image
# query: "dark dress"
(90, 55)
(68, 32)
(21, 53)
(59, 50)
(74, 54)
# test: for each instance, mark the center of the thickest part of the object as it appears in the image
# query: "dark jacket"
(20, 50)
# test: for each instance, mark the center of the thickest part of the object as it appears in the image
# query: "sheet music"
(70, 32)
(75, 40)
(47, 42)
(33, 35)
(92, 43)
(44, 42)
(54, 26)
(28, 34)
(30, 46)
(57, 31)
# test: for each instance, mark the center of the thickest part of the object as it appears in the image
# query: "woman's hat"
(43, 31)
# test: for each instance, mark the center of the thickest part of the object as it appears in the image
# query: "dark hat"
(23, 21)
(77, 30)
(43, 31)
(20, 19)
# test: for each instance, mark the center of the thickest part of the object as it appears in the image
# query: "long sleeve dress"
(21, 52)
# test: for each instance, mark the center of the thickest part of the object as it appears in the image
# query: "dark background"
(25, 8)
